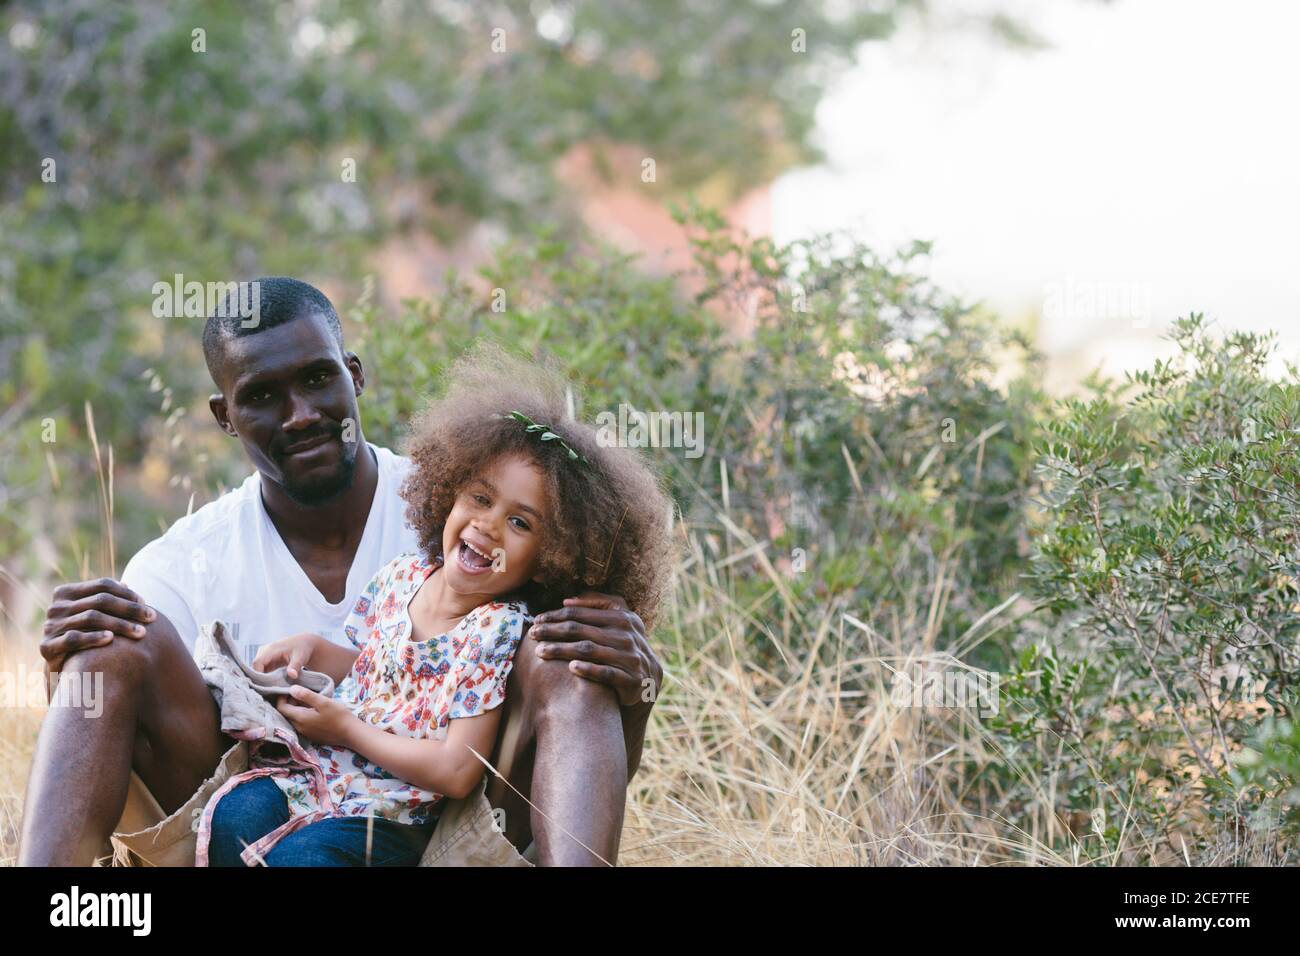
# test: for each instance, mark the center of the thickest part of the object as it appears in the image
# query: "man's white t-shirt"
(227, 562)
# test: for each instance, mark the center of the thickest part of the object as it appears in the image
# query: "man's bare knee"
(123, 672)
(128, 657)
(123, 667)
(562, 697)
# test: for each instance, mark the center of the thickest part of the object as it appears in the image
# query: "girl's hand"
(322, 719)
(294, 652)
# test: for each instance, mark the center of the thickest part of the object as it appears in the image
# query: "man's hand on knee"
(604, 642)
(91, 614)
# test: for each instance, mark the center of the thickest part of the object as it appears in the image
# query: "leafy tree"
(225, 140)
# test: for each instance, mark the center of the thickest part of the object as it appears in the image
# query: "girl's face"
(493, 536)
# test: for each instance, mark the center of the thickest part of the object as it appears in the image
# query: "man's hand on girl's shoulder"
(603, 642)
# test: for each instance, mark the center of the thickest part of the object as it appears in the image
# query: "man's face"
(290, 395)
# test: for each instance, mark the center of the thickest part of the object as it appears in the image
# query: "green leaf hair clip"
(546, 434)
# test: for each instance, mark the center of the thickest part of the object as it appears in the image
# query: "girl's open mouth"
(471, 559)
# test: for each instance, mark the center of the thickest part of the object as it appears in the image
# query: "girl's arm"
(307, 650)
(446, 766)
(333, 659)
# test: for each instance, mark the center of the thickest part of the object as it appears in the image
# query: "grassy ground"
(737, 771)
(745, 765)
(18, 727)
(799, 757)
(793, 756)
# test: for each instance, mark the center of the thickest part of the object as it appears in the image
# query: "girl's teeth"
(466, 546)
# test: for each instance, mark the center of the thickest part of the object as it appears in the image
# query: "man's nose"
(302, 414)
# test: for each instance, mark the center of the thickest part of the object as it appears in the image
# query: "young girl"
(516, 508)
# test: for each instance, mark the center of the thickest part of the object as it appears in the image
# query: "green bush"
(1168, 562)
(859, 432)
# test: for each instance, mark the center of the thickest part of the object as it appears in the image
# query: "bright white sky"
(1155, 144)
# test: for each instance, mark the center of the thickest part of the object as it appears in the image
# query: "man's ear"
(221, 413)
(358, 373)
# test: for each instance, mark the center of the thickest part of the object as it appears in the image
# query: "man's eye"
(318, 378)
(258, 397)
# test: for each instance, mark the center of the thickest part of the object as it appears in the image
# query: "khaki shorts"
(466, 833)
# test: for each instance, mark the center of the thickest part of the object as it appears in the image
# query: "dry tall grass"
(775, 740)
(744, 765)
(18, 727)
(801, 757)
(800, 761)
(794, 757)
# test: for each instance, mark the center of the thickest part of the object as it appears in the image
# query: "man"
(288, 552)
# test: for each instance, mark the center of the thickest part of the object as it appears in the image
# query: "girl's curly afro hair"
(609, 517)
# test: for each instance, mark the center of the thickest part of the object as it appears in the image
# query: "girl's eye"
(481, 500)
(522, 525)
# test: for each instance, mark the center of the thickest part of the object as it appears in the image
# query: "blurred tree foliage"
(860, 424)
(210, 139)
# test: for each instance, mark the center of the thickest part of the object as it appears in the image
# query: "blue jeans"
(252, 810)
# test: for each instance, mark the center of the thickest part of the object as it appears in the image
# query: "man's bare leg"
(158, 717)
(571, 763)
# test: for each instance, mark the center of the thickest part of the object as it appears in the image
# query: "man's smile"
(306, 446)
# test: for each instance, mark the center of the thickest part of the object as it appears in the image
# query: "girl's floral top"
(412, 688)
